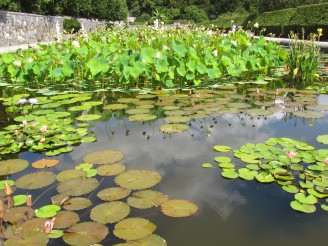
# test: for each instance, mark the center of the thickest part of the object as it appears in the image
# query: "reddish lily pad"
(43, 163)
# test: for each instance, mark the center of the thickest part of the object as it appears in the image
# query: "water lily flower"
(42, 140)
(326, 161)
(48, 226)
(33, 101)
(24, 123)
(22, 101)
(43, 128)
(256, 25)
(291, 154)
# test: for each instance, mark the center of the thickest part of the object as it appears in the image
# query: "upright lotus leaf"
(12, 166)
(78, 186)
(47, 211)
(146, 199)
(13, 215)
(138, 179)
(77, 203)
(43, 163)
(173, 128)
(113, 193)
(111, 169)
(85, 234)
(28, 237)
(134, 228)
(65, 219)
(70, 174)
(110, 212)
(103, 157)
(36, 180)
(178, 208)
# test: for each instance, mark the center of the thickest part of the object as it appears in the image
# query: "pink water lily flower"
(33, 101)
(42, 140)
(291, 154)
(22, 101)
(326, 161)
(43, 128)
(48, 226)
(24, 123)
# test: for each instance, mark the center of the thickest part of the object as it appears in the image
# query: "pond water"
(231, 212)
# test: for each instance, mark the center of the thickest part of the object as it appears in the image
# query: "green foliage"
(194, 13)
(71, 25)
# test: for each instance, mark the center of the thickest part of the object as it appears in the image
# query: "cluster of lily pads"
(22, 224)
(296, 166)
(142, 58)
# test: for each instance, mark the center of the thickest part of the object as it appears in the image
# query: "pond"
(231, 212)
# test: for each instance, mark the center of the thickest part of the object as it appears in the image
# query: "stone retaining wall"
(23, 28)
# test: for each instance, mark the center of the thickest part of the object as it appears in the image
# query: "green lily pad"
(207, 165)
(178, 208)
(78, 186)
(15, 214)
(227, 165)
(77, 203)
(310, 199)
(19, 200)
(56, 234)
(177, 119)
(173, 128)
(222, 148)
(103, 157)
(70, 174)
(88, 117)
(3, 183)
(134, 228)
(223, 159)
(323, 139)
(151, 240)
(36, 180)
(116, 106)
(110, 212)
(65, 219)
(146, 199)
(142, 117)
(309, 114)
(137, 111)
(111, 169)
(12, 166)
(229, 174)
(47, 211)
(86, 233)
(290, 188)
(264, 177)
(305, 208)
(138, 179)
(113, 193)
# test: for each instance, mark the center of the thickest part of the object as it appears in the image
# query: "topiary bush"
(71, 25)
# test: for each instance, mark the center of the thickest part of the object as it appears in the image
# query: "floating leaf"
(178, 208)
(103, 157)
(305, 208)
(114, 193)
(116, 106)
(12, 166)
(3, 183)
(207, 165)
(264, 177)
(18, 213)
(88, 117)
(142, 117)
(78, 186)
(84, 166)
(173, 128)
(28, 237)
(111, 170)
(85, 234)
(110, 212)
(37, 180)
(47, 211)
(222, 148)
(56, 233)
(70, 174)
(134, 228)
(66, 219)
(152, 240)
(290, 188)
(229, 174)
(77, 203)
(310, 199)
(146, 199)
(45, 163)
(138, 179)
(19, 199)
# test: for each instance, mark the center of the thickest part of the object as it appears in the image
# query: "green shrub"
(192, 12)
(143, 17)
(71, 25)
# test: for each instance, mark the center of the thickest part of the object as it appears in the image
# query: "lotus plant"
(8, 192)
(48, 226)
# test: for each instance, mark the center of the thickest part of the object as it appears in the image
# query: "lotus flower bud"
(8, 190)
(29, 201)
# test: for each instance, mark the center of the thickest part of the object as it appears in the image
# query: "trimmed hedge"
(281, 22)
(71, 25)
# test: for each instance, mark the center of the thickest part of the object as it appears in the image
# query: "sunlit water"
(232, 212)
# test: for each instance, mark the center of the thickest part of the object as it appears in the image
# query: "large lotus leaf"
(173, 128)
(12, 166)
(37, 180)
(305, 208)
(88, 117)
(77, 203)
(110, 212)
(66, 219)
(78, 186)
(323, 139)
(146, 199)
(138, 179)
(70, 174)
(110, 170)
(177, 119)
(142, 117)
(134, 228)
(45, 163)
(103, 157)
(15, 214)
(114, 193)
(178, 208)
(116, 106)
(28, 237)
(85, 234)
(47, 211)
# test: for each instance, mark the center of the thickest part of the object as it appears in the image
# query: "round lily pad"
(78, 186)
(222, 148)
(134, 228)
(28, 237)
(152, 240)
(77, 203)
(137, 111)
(111, 169)
(66, 219)
(113, 193)
(43, 163)
(110, 212)
(321, 139)
(178, 208)
(70, 174)
(18, 213)
(86, 233)
(177, 119)
(103, 157)
(309, 114)
(146, 199)
(173, 128)
(305, 208)
(138, 179)
(88, 117)
(142, 117)
(116, 106)
(3, 183)
(12, 166)
(36, 180)
(47, 211)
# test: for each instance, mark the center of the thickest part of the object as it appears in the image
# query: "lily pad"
(177, 119)
(142, 117)
(116, 106)
(222, 148)
(78, 186)
(230, 174)
(173, 128)
(134, 228)
(152, 240)
(77, 203)
(138, 179)
(302, 198)
(113, 193)
(3, 183)
(103, 157)
(207, 165)
(65, 219)
(85, 234)
(88, 117)
(323, 139)
(19, 200)
(12, 166)
(45, 163)
(146, 199)
(110, 212)
(28, 237)
(305, 208)
(18, 213)
(111, 169)
(36, 180)
(70, 174)
(178, 208)
(47, 211)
